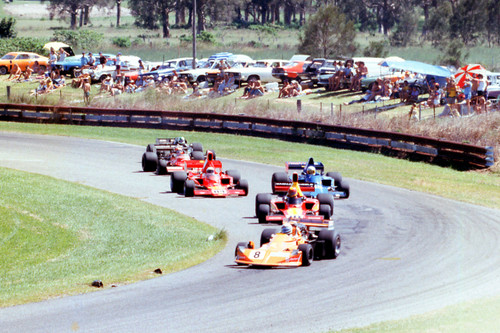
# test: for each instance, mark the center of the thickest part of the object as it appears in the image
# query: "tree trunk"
(118, 12)
(81, 18)
(288, 15)
(200, 9)
(73, 13)
(165, 24)
(86, 11)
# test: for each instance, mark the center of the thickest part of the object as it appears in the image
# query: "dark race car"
(169, 154)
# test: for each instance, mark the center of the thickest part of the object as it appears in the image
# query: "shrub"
(7, 27)
(85, 39)
(122, 41)
(26, 44)
(207, 37)
(376, 49)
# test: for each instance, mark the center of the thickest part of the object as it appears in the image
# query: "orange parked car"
(23, 60)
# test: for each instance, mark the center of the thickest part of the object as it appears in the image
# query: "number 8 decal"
(256, 254)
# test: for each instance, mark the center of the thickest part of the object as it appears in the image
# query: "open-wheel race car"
(169, 154)
(294, 205)
(296, 244)
(208, 180)
(312, 180)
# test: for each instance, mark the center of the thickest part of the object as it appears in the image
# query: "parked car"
(23, 60)
(262, 70)
(234, 62)
(129, 64)
(71, 65)
(169, 68)
(290, 71)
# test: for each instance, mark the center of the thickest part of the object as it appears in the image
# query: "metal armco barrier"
(462, 156)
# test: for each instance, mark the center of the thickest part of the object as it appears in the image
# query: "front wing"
(261, 257)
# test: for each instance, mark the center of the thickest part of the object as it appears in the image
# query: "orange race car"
(23, 60)
(294, 245)
(293, 206)
(208, 180)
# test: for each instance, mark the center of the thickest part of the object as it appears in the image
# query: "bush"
(7, 27)
(85, 39)
(26, 44)
(122, 41)
(376, 49)
(207, 37)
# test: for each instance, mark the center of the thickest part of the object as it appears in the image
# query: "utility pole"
(193, 22)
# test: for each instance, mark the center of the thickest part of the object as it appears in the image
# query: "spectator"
(451, 90)
(414, 96)
(52, 59)
(83, 61)
(102, 59)
(405, 92)
(91, 60)
(86, 90)
(118, 63)
(285, 90)
(62, 54)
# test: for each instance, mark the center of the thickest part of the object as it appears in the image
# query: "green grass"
(482, 188)
(478, 317)
(57, 237)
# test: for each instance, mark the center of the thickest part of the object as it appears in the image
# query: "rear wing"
(281, 188)
(302, 166)
(193, 165)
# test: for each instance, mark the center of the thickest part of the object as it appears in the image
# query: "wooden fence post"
(299, 105)
(8, 93)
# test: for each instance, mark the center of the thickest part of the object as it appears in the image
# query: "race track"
(403, 253)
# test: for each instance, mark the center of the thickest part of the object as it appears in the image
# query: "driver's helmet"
(286, 229)
(210, 170)
(181, 140)
(311, 170)
(292, 192)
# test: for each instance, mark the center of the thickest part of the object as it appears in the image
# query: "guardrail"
(441, 152)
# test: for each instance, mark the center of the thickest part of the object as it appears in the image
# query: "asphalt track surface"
(403, 253)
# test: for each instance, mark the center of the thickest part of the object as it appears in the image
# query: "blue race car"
(312, 180)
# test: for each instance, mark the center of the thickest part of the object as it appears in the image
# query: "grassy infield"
(84, 236)
(79, 238)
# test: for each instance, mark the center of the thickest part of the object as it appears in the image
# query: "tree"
(406, 28)
(469, 20)
(328, 33)
(151, 14)
(7, 27)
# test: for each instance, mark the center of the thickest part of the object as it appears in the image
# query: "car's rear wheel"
(197, 146)
(337, 177)
(149, 161)
(189, 188)
(262, 198)
(177, 180)
(279, 177)
(307, 254)
(262, 212)
(151, 147)
(197, 156)
(266, 235)
(326, 199)
(3, 70)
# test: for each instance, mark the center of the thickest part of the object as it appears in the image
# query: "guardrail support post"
(8, 93)
(299, 105)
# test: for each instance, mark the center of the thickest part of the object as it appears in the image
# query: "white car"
(261, 70)
(129, 64)
(206, 70)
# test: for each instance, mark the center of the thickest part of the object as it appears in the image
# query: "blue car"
(312, 180)
(71, 65)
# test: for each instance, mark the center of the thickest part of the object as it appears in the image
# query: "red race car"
(208, 180)
(294, 206)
